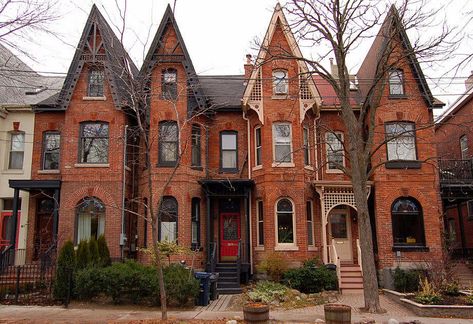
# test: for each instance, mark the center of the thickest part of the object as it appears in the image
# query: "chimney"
(469, 82)
(248, 67)
(333, 69)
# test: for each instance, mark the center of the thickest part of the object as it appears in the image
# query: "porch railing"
(335, 259)
(7, 257)
(239, 261)
(456, 171)
(358, 249)
(213, 256)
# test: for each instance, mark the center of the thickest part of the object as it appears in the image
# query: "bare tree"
(337, 28)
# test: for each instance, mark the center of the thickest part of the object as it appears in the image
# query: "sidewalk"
(57, 314)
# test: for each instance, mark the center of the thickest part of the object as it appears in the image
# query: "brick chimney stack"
(469, 82)
(248, 66)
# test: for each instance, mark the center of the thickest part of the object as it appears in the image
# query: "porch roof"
(226, 187)
(30, 185)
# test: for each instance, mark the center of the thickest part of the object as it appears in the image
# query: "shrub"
(93, 252)
(181, 286)
(64, 271)
(90, 282)
(451, 289)
(82, 255)
(427, 294)
(268, 291)
(104, 252)
(274, 265)
(469, 300)
(406, 280)
(311, 279)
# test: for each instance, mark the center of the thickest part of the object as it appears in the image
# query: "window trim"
(464, 150)
(419, 214)
(169, 86)
(286, 82)
(174, 162)
(81, 129)
(310, 205)
(341, 137)
(195, 218)
(91, 95)
(160, 219)
(306, 145)
(76, 227)
(279, 163)
(258, 148)
(196, 143)
(228, 170)
(285, 246)
(259, 222)
(13, 133)
(43, 150)
(401, 83)
(400, 163)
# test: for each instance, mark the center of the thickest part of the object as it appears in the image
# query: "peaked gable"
(160, 51)
(368, 68)
(309, 95)
(99, 45)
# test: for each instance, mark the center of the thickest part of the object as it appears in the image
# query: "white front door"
(340, 232)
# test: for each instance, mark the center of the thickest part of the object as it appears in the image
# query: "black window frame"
(161, 161)
(281, 212)
(168, 213)
(396, 221)
(45, 151)
(260, 222)
(306, 145)
(392, 84)
(195, 219)
(96, 83)
(83, 138)
(310, 223)
(169, 88)
(233, 169)
(258, 147)
(401, 163)
(196, 146)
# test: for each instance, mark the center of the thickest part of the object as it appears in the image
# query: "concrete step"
(229, 291)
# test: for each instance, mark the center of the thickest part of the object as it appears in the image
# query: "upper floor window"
(464, 147)
(168, 143)
(169, 84)
(401, 142)
(196, 146)
(258, 146)
(335, 151)
(282, 141)
(90, 219)
(17, 150)
(96, 82)
(168, 220)
(93, 147)
(407, 222)
(51, 147)
(229, 151)
(396, 82)
(280, 82)
(306, 143)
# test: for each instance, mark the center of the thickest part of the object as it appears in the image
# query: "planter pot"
(256, 313)
(337, 314)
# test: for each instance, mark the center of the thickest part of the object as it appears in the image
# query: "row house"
(239, 167)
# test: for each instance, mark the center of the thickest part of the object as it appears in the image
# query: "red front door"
(5, 228)
(229, 236)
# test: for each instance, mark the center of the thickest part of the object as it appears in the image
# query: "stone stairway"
(463, 273)
(351, 278)
(228, 281)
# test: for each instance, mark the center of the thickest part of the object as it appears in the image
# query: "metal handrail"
(239, 261)
(213, 257)
(360, 262)
(5, 257)
(336, 260)
(455, 171)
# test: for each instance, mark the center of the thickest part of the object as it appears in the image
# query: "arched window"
(90, 218)
(407, 223)
(168, 220)
(285, 221)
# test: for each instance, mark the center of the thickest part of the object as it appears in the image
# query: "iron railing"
(213, 256)
(239, 262)
(456, 171)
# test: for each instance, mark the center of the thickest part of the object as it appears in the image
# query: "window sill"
(283, 165)
(334, 171)
(312, 248)
(279, 96)
(228, 171)
(414, 248)
(197, 168)
(166, 165)
(49, 171)
(13, 171)
(259, 248)
(258, 167)
(290, 247)
(92, 165)
(403, 164)
(86, 98)
(392, 96)
(309, 167)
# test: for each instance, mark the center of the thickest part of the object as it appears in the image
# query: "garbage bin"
(213, 286)
(204, 293)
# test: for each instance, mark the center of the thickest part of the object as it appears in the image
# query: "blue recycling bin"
(204, 292)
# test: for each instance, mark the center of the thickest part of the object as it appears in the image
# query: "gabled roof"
(456, 106)
(115, 59)
(20, 85)
(196, 97)
(367, 69)
(224, 92)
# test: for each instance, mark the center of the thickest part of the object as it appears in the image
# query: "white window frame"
(281, 163)
(12, 150)
(259, 221)
(464, 147)
(281, 87)
(397, 140)
(311, 221)
(285, 246)
(260, 147)
(341, 138)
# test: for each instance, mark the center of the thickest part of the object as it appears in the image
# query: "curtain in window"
(282, 142)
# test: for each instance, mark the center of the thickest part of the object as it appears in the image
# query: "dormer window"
(280, 82)
(396, 83)
(169, 84)
(96, 83)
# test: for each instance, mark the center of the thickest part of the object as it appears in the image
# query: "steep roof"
(368, 68)
(196, 98)
(223, 91)
(114, 59)
(20, 85)
(455, 107)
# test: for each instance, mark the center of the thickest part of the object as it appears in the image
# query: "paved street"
(216, 310)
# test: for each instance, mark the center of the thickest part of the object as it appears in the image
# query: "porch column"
(55, 215)
(207, 232)
(16, 194)
(248, 225)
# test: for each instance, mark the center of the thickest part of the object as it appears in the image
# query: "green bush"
(427, 294)
(274, 265)
(82, 255)
(93, 252)
(469, 300)
(268, 291)
(181, 286)
(64, 271)
(451, 289)
(90, 282)
(311, 279)
(406, 280)
(104, 252)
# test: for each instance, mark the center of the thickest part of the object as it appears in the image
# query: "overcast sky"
(217, 33)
